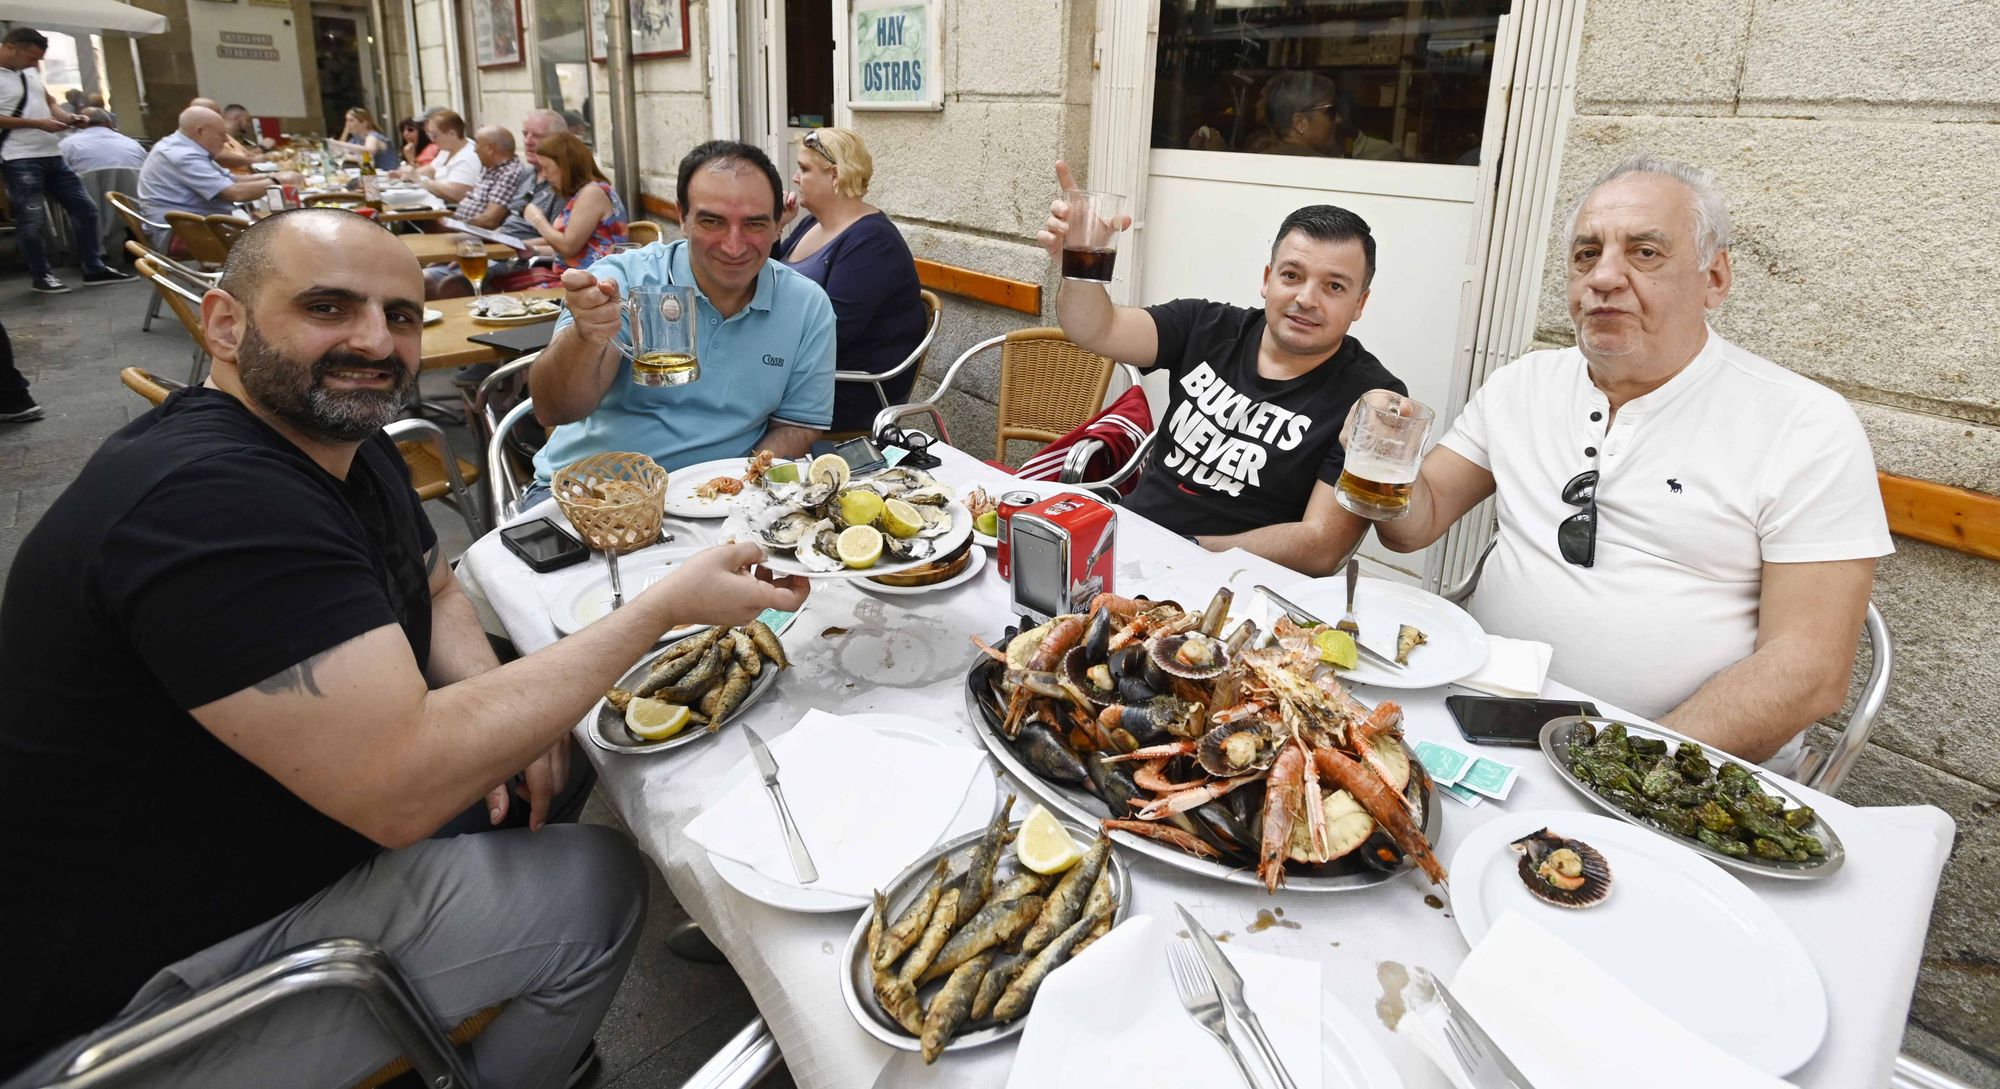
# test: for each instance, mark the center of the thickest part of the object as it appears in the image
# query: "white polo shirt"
(460, 166)
(1734, 463)
(26, 143)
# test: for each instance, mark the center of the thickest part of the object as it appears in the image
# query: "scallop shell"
(1536, 847)
(1235, 748)
(1190, 655)
(1076, 670)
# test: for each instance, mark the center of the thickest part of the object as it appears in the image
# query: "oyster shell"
(818, 549)
(784, 528)
(902, 549)
(1568, 873)
(937, 522)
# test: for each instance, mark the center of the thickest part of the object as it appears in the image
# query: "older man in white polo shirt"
(1693, 528)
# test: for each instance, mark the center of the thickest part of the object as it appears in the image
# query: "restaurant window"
(563, 82)
(1402, 81)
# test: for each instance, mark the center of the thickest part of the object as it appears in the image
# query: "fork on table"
(1203, 1003)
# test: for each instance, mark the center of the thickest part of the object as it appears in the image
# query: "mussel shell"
(1536, 847)
(1128, 666)
(1076, 669)
(1166, 656)
(1047, 754)
(1096, 643)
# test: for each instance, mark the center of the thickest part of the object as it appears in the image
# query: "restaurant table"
(447, 343)
(413, 215)
(439, 249)
(1863, 927)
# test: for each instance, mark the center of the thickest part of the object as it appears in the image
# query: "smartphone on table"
(543, 546)
(1496, 720)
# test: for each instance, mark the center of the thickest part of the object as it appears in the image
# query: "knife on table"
(1230, 983)
(767, 767)
(1309, 619)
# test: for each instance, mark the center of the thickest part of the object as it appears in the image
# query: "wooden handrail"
(661, 206)
(1955, 518)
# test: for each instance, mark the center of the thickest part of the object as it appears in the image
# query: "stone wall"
(167, 66)
(1857, 144)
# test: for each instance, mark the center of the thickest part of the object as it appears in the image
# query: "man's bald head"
(298, 233)
(206, 104)
(97, 117)
(204, 126)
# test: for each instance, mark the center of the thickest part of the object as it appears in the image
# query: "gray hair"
(1711, 210)
(555, 119)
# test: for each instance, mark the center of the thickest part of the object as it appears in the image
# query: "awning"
(82, 15)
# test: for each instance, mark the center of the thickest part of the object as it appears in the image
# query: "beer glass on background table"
(1380, 470)
(472, 262)
(660, 335)
(1090, 249)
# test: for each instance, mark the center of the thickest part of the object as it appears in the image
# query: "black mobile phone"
(861, 455)
(542, 546)
(1493, 720)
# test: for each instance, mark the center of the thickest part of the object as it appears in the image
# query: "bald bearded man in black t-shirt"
(1249, 452)
(243, 693)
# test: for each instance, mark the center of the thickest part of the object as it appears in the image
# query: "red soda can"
(1009, 503)
(291, 195)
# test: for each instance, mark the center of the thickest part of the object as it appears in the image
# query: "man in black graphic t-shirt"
(1249, 451)
(242, 694)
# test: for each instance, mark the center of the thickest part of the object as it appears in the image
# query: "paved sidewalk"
(670, 1015)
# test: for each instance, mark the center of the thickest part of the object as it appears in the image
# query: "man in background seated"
(1248, 453)
(100, 146)
(766, 335)
(1692, 527)
(1300, 108)
(303, 696)
(243, 134)
(501, 178)
(181, 173)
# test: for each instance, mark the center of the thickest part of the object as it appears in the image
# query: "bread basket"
(614, 500)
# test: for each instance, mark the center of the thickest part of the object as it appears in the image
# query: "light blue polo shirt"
(179, 175)
(772, 363)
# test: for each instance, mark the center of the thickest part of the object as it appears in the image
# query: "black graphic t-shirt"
(1237, 450)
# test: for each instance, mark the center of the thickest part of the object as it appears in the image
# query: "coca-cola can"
(291, 193)
(1009, 503)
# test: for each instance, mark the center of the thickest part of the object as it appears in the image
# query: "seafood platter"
(511, 310)
(822, 524)
(1735, 814)
(953, 951)
(692, 689)
(1240, 757)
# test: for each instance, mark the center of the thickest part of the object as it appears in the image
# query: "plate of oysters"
(830, 525)
(512, 310)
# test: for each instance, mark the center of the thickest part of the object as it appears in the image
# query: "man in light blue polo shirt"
(181, 174)
(765, 338)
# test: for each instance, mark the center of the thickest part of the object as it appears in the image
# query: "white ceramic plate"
(432, 317)
(1457, 646)
(586, 597)
(971, 817)
(975, 561)
(681, 483)
(985, 540)
(1349, 1057)
(1664, 902)
(518, 319)
(961, 530)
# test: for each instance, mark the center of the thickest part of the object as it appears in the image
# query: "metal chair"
(343, 963)
(482, 418)
(186, 306)
(199, 237)
(503, 486)
(101, 184)
(1048, 386)
(1909, 1073)
(145, 233)
(642, 231)
(437, 473)
(752, 1053)
(913, 364)
(1821, 770)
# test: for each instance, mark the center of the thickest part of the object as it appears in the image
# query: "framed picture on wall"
(895, 55)
(659, 29)
(496, 33)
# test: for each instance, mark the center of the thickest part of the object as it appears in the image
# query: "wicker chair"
(1048, 386)
(435, 472)
(199, 237)
(643, 231)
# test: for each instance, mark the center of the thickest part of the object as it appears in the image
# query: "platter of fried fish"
(693, 688)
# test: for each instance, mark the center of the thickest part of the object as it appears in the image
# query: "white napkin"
(1566, 1022)
(1115, 1008)
(1514, 667)
(861, 827)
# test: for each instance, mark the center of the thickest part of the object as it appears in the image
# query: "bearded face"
(341, 397)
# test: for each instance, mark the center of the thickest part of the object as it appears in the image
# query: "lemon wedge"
(859, 546)
(655, 720)
(828, 467)
(1336, 647)
(988, 523)
(900, 519)
(860, 507)
(784, 472)
(1044, 845)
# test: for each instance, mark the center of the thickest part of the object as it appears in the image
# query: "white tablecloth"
(1864, 927)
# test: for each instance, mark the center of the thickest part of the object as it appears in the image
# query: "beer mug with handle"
(1383, 453)
(660, 335)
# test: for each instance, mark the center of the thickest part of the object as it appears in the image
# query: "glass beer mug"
(1383, 453)
(660, 335)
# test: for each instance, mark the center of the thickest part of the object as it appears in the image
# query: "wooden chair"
(644, 232)
(435, 472)
(152, 387)
(186, 305)
(227, 229)
(1047, 387)
(199, 237)
(913, 364)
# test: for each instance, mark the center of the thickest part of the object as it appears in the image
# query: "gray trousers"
(544, 922)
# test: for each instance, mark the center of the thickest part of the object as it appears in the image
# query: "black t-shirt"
(198, 553)
(1237, 450)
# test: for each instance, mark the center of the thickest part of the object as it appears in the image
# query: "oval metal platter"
(1555, 745)
(1078, 804)
(607, 724)
(856, 978)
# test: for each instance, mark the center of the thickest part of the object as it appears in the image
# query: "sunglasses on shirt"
(1576, 535)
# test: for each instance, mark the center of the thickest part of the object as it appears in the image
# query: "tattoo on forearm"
(294, 678)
